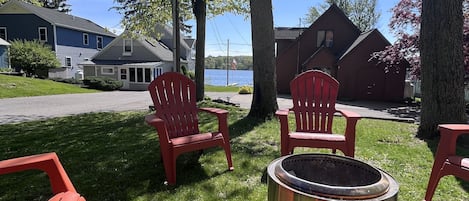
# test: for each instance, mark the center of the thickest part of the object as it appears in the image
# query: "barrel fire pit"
(315, 177)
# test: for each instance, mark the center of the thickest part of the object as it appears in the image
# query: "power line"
(217, 34)
(236, 29)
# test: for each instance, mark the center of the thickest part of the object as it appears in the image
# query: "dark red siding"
(289, 62)
(369, 80)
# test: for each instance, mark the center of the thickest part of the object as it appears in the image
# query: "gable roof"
(288, 32)
(161, 49)
(158, 49)
(166, 36)
(324, 49)
(4, 43)
(336, 9)
(61, 19)
(360, 39)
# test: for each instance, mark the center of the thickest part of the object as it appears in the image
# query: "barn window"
(325, 38)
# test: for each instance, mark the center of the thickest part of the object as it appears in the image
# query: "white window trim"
(66, 61)
(97, 42)
(87, 41)
(152, 71)
(125, 53)
(6, 33)
(106, 73)
(45, 33)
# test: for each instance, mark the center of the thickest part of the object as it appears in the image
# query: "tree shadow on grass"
(109, 156)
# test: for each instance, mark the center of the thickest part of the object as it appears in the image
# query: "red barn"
(335, 45)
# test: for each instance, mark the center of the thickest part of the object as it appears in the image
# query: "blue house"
(4, 54)
(73, 39)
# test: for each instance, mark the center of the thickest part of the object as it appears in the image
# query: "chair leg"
(284, 149)
(432, 184)
(169, 163)
(228, 156)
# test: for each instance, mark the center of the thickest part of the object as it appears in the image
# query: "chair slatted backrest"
(174, 99)
(314, 95)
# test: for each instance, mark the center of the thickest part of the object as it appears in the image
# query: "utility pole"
(176, 37)
(227, 61)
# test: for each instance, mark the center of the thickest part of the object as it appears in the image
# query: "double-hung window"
(3, 33)
(85, 39)
(43, 34)
(325, 38)
(127, 47)
(99, 42)
(68, 61)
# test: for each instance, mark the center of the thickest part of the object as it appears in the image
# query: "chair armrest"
(67, 196)
(48, 162)
(351, 119)
(215, 111)
(282, 112)
(349, 114)
(160, 126)
(222, 116)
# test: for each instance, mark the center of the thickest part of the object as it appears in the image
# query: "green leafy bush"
(102, 83)
(33, 57)
(67, 80)
(245, 90)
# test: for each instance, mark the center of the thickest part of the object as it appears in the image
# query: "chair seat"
(196, 139)
(317, 136)
(460, 161)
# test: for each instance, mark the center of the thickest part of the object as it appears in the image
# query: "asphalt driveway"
(15, 110)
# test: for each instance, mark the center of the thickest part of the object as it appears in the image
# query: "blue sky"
(235, 28)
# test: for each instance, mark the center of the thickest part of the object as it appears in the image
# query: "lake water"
(217, 77)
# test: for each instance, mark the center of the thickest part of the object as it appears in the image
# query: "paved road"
(14, 110)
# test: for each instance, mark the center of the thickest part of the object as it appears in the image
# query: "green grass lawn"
(212, 88)
(115, 156)
(16, 86)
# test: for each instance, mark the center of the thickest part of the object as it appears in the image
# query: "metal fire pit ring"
(328, 177)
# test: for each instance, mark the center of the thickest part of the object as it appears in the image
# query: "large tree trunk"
(200, 15)
(442, 70)
(264, 100)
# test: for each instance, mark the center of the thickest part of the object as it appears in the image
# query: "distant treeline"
(219, 62)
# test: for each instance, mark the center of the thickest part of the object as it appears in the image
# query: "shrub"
(190, 74)
(102, 83)
(245, 90)
(33, 57)
(67, 80)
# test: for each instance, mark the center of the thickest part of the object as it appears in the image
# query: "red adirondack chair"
(176, 121)
(314, 95)
(61, 185)
(446, 161)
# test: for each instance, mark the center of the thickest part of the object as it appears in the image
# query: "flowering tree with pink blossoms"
(405, 25)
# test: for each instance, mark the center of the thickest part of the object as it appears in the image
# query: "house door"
(124, 78)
